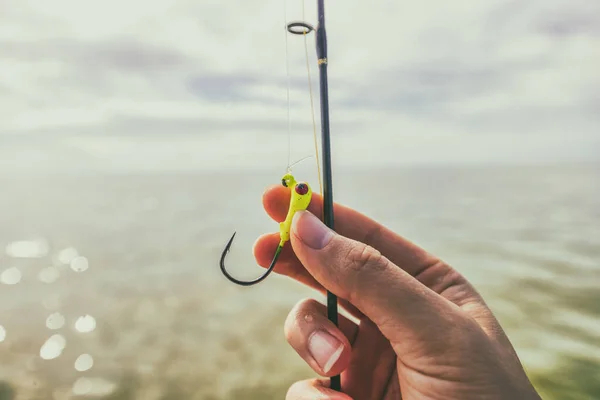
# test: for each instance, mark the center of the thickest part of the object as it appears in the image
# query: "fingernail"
(311, 230)
(325, 349)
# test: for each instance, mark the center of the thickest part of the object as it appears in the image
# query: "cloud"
(179, 75)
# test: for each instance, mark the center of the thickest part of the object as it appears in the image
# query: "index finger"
(354, 225)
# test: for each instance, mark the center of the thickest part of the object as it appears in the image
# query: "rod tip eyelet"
(299, 28)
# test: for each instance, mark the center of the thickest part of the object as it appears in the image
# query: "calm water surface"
(110, 289)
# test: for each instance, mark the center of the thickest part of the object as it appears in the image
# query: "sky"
(202, 85)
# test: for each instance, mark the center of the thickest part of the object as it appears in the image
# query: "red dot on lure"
(301, 188)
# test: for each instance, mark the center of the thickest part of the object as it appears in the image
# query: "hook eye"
(299, 28)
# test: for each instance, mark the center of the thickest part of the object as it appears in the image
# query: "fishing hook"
(300, 196)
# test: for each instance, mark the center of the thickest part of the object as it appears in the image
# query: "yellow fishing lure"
(300, 197)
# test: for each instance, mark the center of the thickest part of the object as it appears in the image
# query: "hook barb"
(254, 281)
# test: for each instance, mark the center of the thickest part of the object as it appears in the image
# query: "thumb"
(403, 309)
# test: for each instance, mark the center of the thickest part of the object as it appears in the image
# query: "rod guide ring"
(299, 28)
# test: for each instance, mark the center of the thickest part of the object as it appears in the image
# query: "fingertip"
(314, 389)
(311, 231)
(322, 345)
(271, 191)
(331, 353)
(274, 201)
(264, 247)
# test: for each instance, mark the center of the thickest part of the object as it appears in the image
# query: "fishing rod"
(321, 46)
(301, 192)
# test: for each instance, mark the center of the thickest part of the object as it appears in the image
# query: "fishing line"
(298, 162)
(287, 72)
(312, 107)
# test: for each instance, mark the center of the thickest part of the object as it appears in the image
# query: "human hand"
(424, 331)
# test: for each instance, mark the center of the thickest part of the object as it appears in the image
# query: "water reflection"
(94, 387)
(27, 248)
(85, 324)
(66, 255)
(84, 362)
(79, 264)
(53, 347)
(55, 321)
(11, 276)
(49, 275)
(82, 386)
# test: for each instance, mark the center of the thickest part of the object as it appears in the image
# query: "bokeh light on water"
(10, 276)
(27, 248)
(55, 321)
(85, 324)
(84, 362)
(53, 347)
(49, 275)
(79, 264)
(67, 255)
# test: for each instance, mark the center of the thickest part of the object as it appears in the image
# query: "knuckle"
(362, 263)
(308, 305)
(462, 333)
(365, 258)
(470, 337)
(373, 235)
